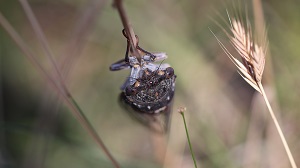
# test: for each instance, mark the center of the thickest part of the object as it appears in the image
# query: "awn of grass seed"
(252, 66)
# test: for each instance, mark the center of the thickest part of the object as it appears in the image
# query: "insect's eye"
(130, 91)
(169, 72)
(152, 57)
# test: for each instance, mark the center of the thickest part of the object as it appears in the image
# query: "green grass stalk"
(181, 111)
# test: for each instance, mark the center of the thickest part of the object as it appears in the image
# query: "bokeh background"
(228, 122)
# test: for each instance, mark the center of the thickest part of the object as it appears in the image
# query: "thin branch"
(118, 4)
(286, 147)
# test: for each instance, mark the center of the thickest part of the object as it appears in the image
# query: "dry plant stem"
(62, 92)
(79, 113)
(29, 55)
(77, 42)
(71, 53)
(42, 39)
(286, 147)
(253, 62)
(85, 122)
(128, 29)
(252, 65)
(2, 132)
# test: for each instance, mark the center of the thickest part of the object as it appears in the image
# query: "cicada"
(149, 90)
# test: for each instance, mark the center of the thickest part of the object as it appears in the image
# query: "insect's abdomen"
(151, 96)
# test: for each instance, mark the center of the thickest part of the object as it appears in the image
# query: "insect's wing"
(157, 57)
(119, 65)
(160, 56)
(163, 119)
(156, 122)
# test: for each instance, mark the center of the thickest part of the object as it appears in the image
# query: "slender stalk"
(76, 44)
(62, 92)
(286, 147)
(118, 4)
(93, 133)
(70, 54)
(79, 113)
(3, 145)
(181, 111)
(42, 39)
(27, 53)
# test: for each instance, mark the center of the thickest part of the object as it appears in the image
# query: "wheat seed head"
(252, 53)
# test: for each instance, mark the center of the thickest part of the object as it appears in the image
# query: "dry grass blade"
(77, 42)
(43, 41)
(59, 87)
(252, 66)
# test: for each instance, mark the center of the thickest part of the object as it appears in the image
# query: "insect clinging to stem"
(150, 87)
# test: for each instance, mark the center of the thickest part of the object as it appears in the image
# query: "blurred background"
(228, 122)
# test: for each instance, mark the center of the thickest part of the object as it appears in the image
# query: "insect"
(150, 88)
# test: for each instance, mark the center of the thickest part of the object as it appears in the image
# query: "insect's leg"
(154, 56)
(164, 66)
(124, 34)
(139, 48)
(137, 45)
(123, 63)
(126, 53)
(147, 52)
(127, 47)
